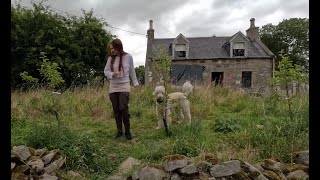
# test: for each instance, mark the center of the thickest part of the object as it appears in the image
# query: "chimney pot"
(150, 31)
(252, 23)
(150, 24)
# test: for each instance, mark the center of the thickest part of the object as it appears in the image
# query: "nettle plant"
(162, 67)
(226, 125)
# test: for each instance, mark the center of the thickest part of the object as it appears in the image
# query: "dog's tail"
(187, 88)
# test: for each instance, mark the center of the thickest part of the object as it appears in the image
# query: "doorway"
(217, 78)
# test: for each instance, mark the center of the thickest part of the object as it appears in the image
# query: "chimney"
(148, 68)
(253, 31)
(150, 31)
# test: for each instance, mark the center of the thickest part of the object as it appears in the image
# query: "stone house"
(235, 61)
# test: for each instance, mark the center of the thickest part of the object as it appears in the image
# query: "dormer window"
(237, 45)
(238, 49)
(180, 47)
(180, 50)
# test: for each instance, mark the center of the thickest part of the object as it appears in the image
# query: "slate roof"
(211, 47)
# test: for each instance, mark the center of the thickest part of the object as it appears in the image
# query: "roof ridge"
(195, 37)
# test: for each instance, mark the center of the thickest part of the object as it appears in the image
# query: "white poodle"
(177, 101)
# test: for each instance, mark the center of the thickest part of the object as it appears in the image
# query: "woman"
(118, 69)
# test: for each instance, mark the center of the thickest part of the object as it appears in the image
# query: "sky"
(193, 18)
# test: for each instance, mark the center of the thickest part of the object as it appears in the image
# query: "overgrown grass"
(228, 123)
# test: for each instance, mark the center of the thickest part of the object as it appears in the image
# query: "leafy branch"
(162, 67)
(286, 74)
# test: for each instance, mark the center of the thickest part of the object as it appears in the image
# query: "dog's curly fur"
(177, 101)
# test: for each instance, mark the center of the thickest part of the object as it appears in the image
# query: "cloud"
(200, 18)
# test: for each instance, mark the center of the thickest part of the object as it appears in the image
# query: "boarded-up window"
(182, 72)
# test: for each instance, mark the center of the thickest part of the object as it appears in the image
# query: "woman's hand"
(115, 74)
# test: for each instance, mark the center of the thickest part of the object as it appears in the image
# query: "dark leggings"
(120, 102)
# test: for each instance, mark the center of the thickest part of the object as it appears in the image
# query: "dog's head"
(187, 87)
(159, 93)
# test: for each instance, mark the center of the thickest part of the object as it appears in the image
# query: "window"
(238, 49)
(246, 79)
(217, 78)
(180, 54)
(238, 52)
(180, 50)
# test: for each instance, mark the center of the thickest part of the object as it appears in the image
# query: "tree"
(162, 67)
(49, 71)
(140, 74)
(51, 77)
(291, 36)
(76, 44)
(161, 64)
(284, 76)
(90, 38)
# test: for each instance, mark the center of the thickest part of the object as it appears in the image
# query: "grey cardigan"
(128, 69)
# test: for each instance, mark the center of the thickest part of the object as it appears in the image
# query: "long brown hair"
(117, 45)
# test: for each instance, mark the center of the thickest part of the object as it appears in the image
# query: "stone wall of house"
(232, 70)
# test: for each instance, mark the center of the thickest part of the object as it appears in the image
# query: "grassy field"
(228, 123)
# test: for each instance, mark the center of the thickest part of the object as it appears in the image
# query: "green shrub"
(226, 125)
(77, 147)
